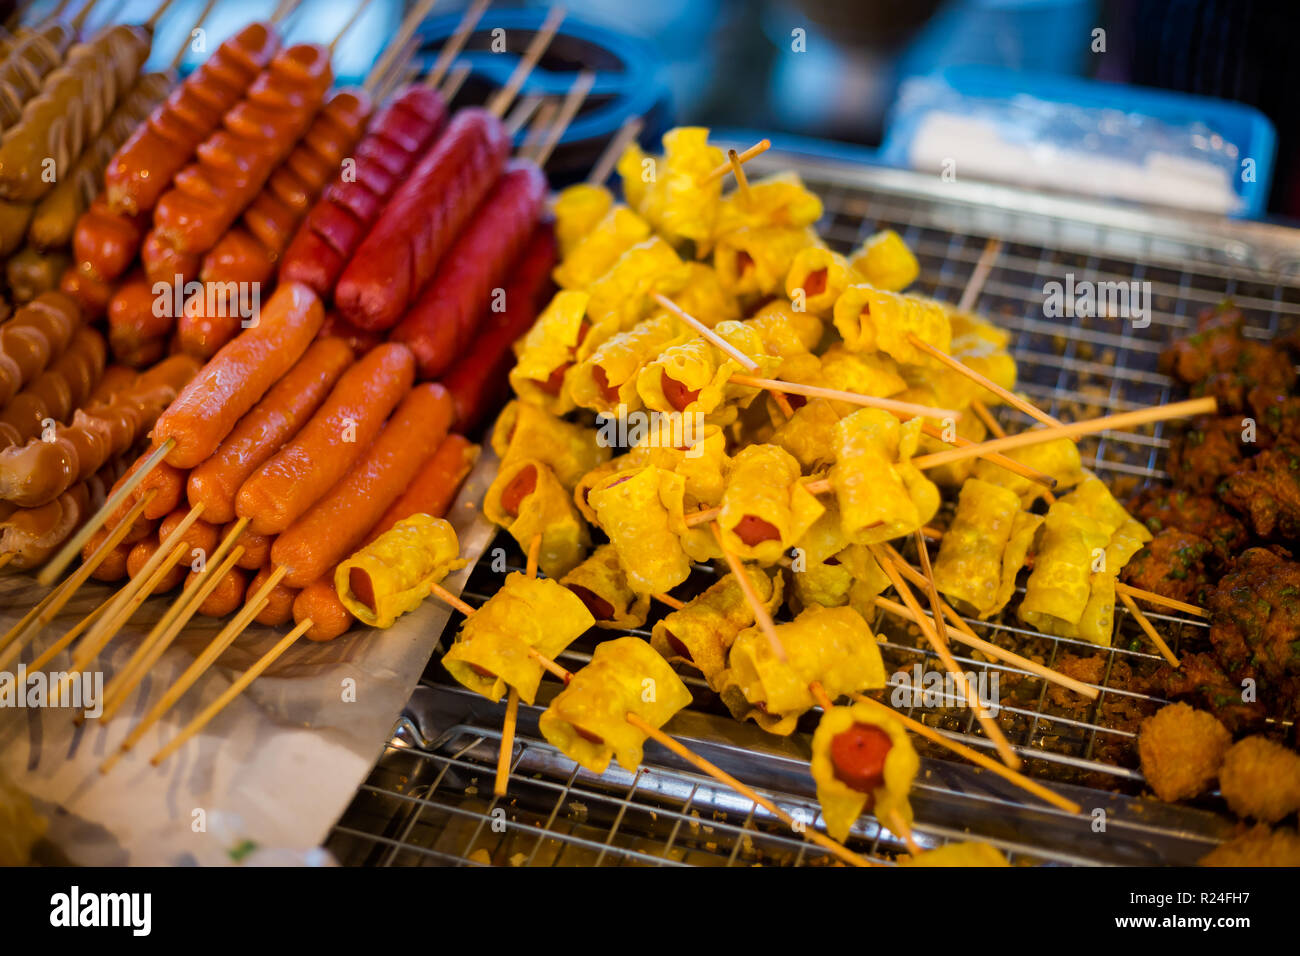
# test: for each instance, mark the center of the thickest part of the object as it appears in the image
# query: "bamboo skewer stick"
(451, 49)
(455, 80)
(1151, 597)
(1037, 436)
(628, 132)
(974, 756)
(1010, 464)
(502, 783)
(162, 635)
(1150, 630)
(402, 38)
(989, 725)
(206, 659)
(1008, 396)
(761, 615)
(522, 114)
(48, 654)
(716, 340)
(179, 58)
(573, 101)
(541, 40)
(980, 275)
(669, 600)
(349, 24)
(910, 409)
(762, 146)
(545, 116)
(742, 181)
(55, 566)
(230, 693)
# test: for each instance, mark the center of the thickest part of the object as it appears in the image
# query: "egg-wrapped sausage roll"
(832, 645)
(704, 297)
(677, 202)
(693, 377)
(1059, 587)
(577, 210)
(885, 262)
(872, 319)
(968, 569)
(809, 434)
(592, 256)
(784, 331)
(838, 790)
(777, 200)
(601, 584)
(636, 458)
(818, 276)
(755, 260)
(765, 509)
(881, 494)
(621, 297)
(1058, 458)
(954, 473)
(607, 377)
(523, 430)
(527, 499)
(641, 512)
(391, 575)
(701, 633)
(547, 353)
(1024, 528)
(587, 720)
(491, 652)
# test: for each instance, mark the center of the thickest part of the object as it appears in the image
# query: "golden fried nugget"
(1261, 779)
(1181, 750)
(1258, 846)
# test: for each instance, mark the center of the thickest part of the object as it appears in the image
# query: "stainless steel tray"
(429, 799)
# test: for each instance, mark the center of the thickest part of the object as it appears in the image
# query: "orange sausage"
(261, 433)
(257, 548)
(169, 483)
(340, 521)
(226, 596)
(319, 603)
(279, 603)
(289, 483)
(140, 555)
(200, 536)
(435, 487)
(239, 375)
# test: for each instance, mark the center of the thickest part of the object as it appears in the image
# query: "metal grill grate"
(429, 800)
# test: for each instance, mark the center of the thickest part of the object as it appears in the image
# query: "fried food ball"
(1261, 779)
(1181, 750)
(1258, 846)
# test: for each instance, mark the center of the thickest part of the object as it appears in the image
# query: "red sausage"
(442, 322)
(427, 212)
(478, 381)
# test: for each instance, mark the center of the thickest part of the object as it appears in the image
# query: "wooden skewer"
(47, 655)
(502, 783)
(1090, 426)
(1151, 597)
(742, 181)
(152, 23)
(83, 14)
(402, 38)
(206, 659)
(179, 57)
(114, 618)
(682, 751)
(990, 726)
(218, 555)
(544, 117)
(669, 600)
(231, 692)
(284, 10)
(451, 49)
(629, 131)
(1150, 630)
(534, 551)
(54, 601)
(761, 615)
(762, 146)
(573, 101)
(1008, 396)
(714, 338)
(54, 568)
(974, 756)
(909, 409)
(980, 275)
(521, 114)
(455, 80)
(541, 40)
(993, 650)
(161, 636)
(348, 24)
(1010, 464)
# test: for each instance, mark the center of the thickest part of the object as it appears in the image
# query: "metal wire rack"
(428, 800)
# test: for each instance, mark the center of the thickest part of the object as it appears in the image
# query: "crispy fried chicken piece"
(1261, 779)
(1201, 680)
(1181, 750)
(1266, 488)
(1161, 508)
(1219, 360)
(1276, 413)
(1206, 452)
(1256, 614)
(1258, 846)
(1172, 564)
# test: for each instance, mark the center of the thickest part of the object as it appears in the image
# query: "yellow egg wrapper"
(764, 483)
(524, 430)
(402, 563)
(842, 804)
(641, 513)
(603, 575)
(548, 511)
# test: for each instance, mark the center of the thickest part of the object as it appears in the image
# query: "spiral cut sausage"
(403, 249)
(143, 168)
(56, 215)
(45, 467)
(27, 63)
(443, 320)
(37, 334)
(249, 251)
(32, 535)
(60, 389)
(235, 162)
(339, 221)
(72, 107)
